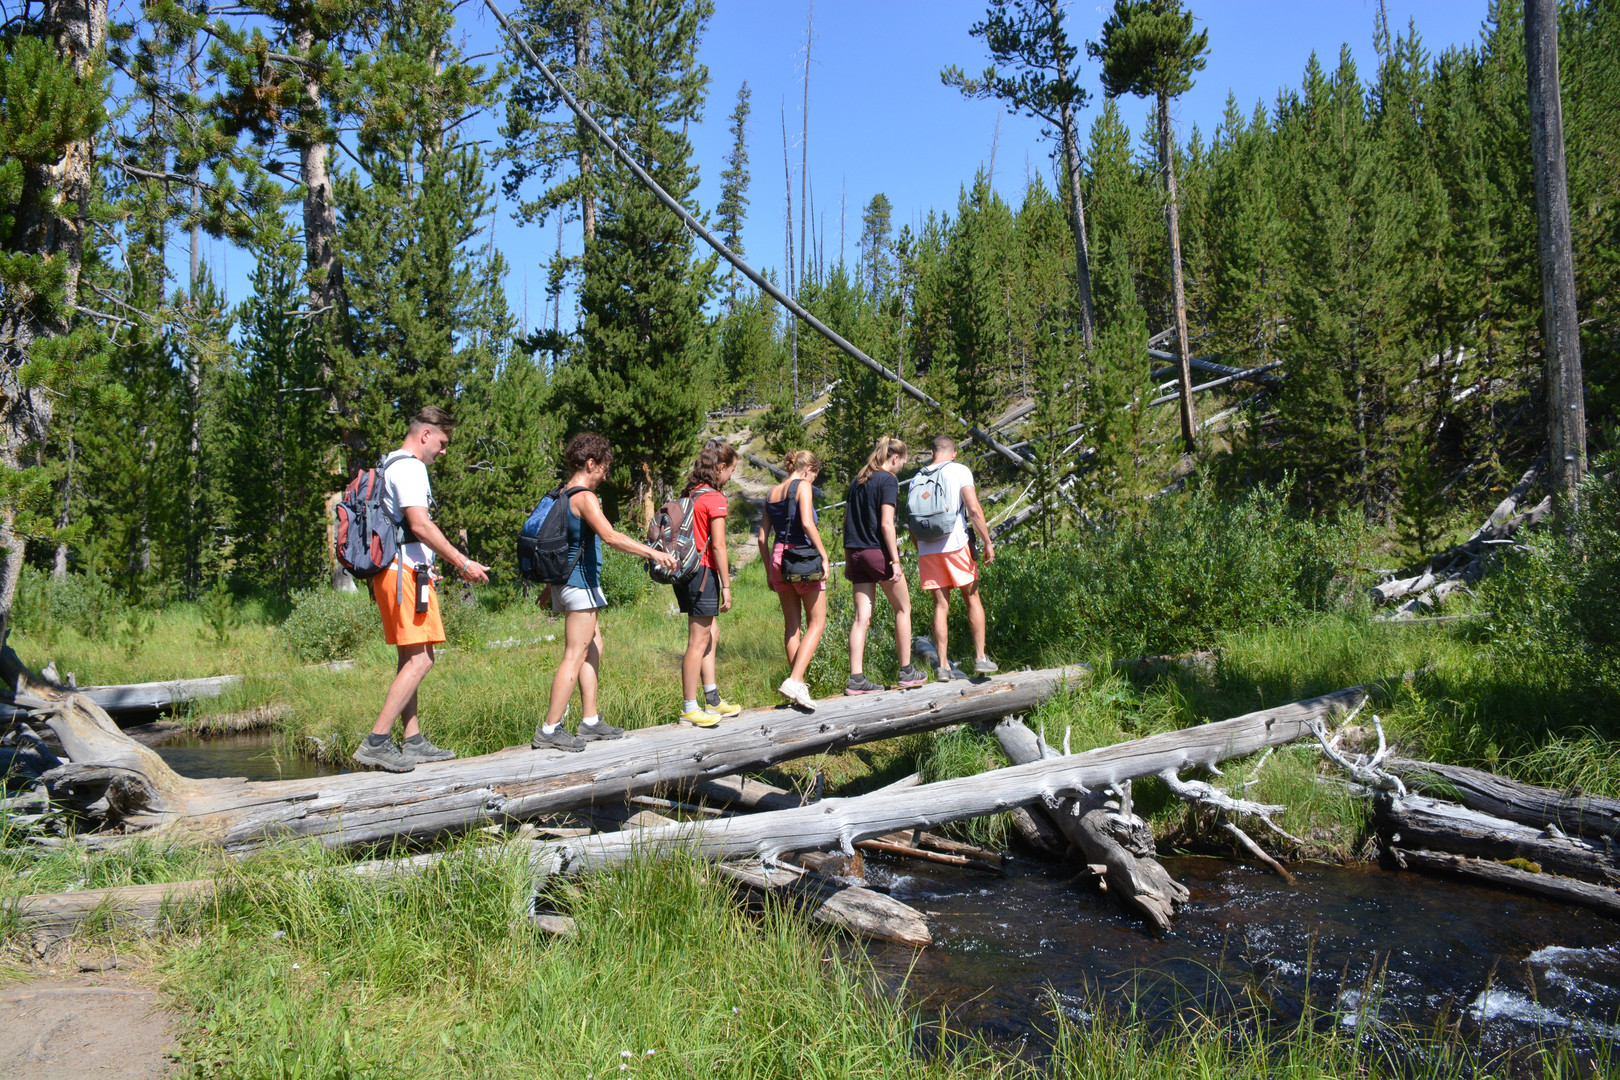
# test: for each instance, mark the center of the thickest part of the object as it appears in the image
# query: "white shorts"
(565, 598)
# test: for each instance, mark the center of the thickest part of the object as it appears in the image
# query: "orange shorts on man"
(948, 563)
(407, 595)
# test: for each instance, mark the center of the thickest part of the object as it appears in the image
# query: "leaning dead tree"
(1461, 565)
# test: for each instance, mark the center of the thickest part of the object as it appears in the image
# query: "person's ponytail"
(887, 447)
(801, 459)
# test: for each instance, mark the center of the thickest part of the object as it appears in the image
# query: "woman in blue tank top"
(790, 513)
(588, 458)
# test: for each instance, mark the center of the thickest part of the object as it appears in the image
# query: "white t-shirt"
(405, 483)
(953, 476)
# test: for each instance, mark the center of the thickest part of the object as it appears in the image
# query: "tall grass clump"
(1195, 566)
(326, 624)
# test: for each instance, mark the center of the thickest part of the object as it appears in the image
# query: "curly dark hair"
(715, 455)
(584, 447)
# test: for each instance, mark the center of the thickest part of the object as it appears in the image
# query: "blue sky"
(880, 120)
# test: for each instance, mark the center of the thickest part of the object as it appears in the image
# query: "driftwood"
(113, 780)
(1552, 886)
(1572, 812)
(840, 822)
(1418, 822)
(1114, 838)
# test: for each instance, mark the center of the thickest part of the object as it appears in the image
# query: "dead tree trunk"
(1116, 839)
(1415, 822)
(841, 822)
(1566, 402)
(1572, 812)
(1172, 220)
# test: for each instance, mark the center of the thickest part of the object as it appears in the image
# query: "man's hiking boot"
(419, 749)
(948, 671)
(701, 717)
(860, 684)
(911, 676)
(985, 666)
(559, 739)
(719, 706)
(601, 730)
(798, 693)
(385, 757)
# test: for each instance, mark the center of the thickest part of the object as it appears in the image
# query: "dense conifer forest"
(1368, 238)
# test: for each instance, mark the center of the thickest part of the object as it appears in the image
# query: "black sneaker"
(385, 757)
(557, 740)
(597, 731)
(860, 684)
(420, 749)
(911, 676)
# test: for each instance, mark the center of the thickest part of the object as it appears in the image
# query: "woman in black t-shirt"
(872, 559)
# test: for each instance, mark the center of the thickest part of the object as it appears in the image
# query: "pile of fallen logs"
(1421, 589)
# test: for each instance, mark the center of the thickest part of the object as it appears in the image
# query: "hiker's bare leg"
(590, 673)
(857, 630)
(699, 638)
(415, 661)
(942, 622)
(790, 624)
(815, 606)
(579, 639)
(899, 594)
(975, 606)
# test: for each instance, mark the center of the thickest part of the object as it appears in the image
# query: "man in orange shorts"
(410, 614)
(948, 563)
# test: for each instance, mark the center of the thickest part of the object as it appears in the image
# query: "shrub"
(466, 624)
(624, 578)
(84, 602)
(1194, 567)
(326, 624)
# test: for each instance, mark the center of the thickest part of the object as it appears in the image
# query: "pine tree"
(1149, 49)
(877, 263)
(733, 206)
(1028, 36)
(643, 376)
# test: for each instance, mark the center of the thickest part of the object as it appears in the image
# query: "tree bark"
(1172, 220)
(1414, 821)
(50, 221)
(1552, 886)
(1566, 402)
(1077, 226)
(582, 66)
(1573, 812)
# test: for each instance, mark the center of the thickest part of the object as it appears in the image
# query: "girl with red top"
(707, 593)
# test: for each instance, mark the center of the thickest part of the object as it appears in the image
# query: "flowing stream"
(1376, 948)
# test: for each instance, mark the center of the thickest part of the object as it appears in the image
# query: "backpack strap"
(568, 494)
(793, 501)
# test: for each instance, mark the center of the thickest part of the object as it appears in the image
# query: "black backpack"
(542, 546)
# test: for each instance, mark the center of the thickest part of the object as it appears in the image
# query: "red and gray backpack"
(366, 538)
(671, 530)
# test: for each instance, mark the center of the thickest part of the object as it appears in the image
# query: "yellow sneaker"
(722, 708)
(700, 718)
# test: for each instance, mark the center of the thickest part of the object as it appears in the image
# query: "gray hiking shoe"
(948, 671)
(597, 731)
(557, 740)
(910, 676)
(419, 749)
(385, 757)
(985, 666)
(860, 684)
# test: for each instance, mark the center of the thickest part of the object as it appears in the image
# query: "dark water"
(1377, 948)
(257, 755)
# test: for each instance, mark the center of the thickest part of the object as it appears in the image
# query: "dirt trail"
(67, 1025)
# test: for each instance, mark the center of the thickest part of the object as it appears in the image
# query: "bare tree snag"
(1566, 402)
(1113, 838)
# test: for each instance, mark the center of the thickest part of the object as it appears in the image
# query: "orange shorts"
(951, 570)
(401, 624)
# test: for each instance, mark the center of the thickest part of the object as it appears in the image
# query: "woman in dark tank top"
(790, 514)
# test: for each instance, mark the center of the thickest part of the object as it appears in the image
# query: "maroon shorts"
(866, 566)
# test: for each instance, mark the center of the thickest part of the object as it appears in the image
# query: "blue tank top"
(785, 520)
(588, 570)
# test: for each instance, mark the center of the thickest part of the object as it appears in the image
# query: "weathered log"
(1553, 886)
(452, 796)
(51, 917)
(742, 793)
(841, 822)
(852, 908)
(908, 851)
(1205, 364)
(1572, 812)
(1117, 840)
(1414, 821)
(1036, 830)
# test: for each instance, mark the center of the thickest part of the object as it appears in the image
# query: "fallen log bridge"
(112, 780)
(842, 822)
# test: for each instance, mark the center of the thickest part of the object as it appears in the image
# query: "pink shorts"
(951, 570)
(773, 576)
